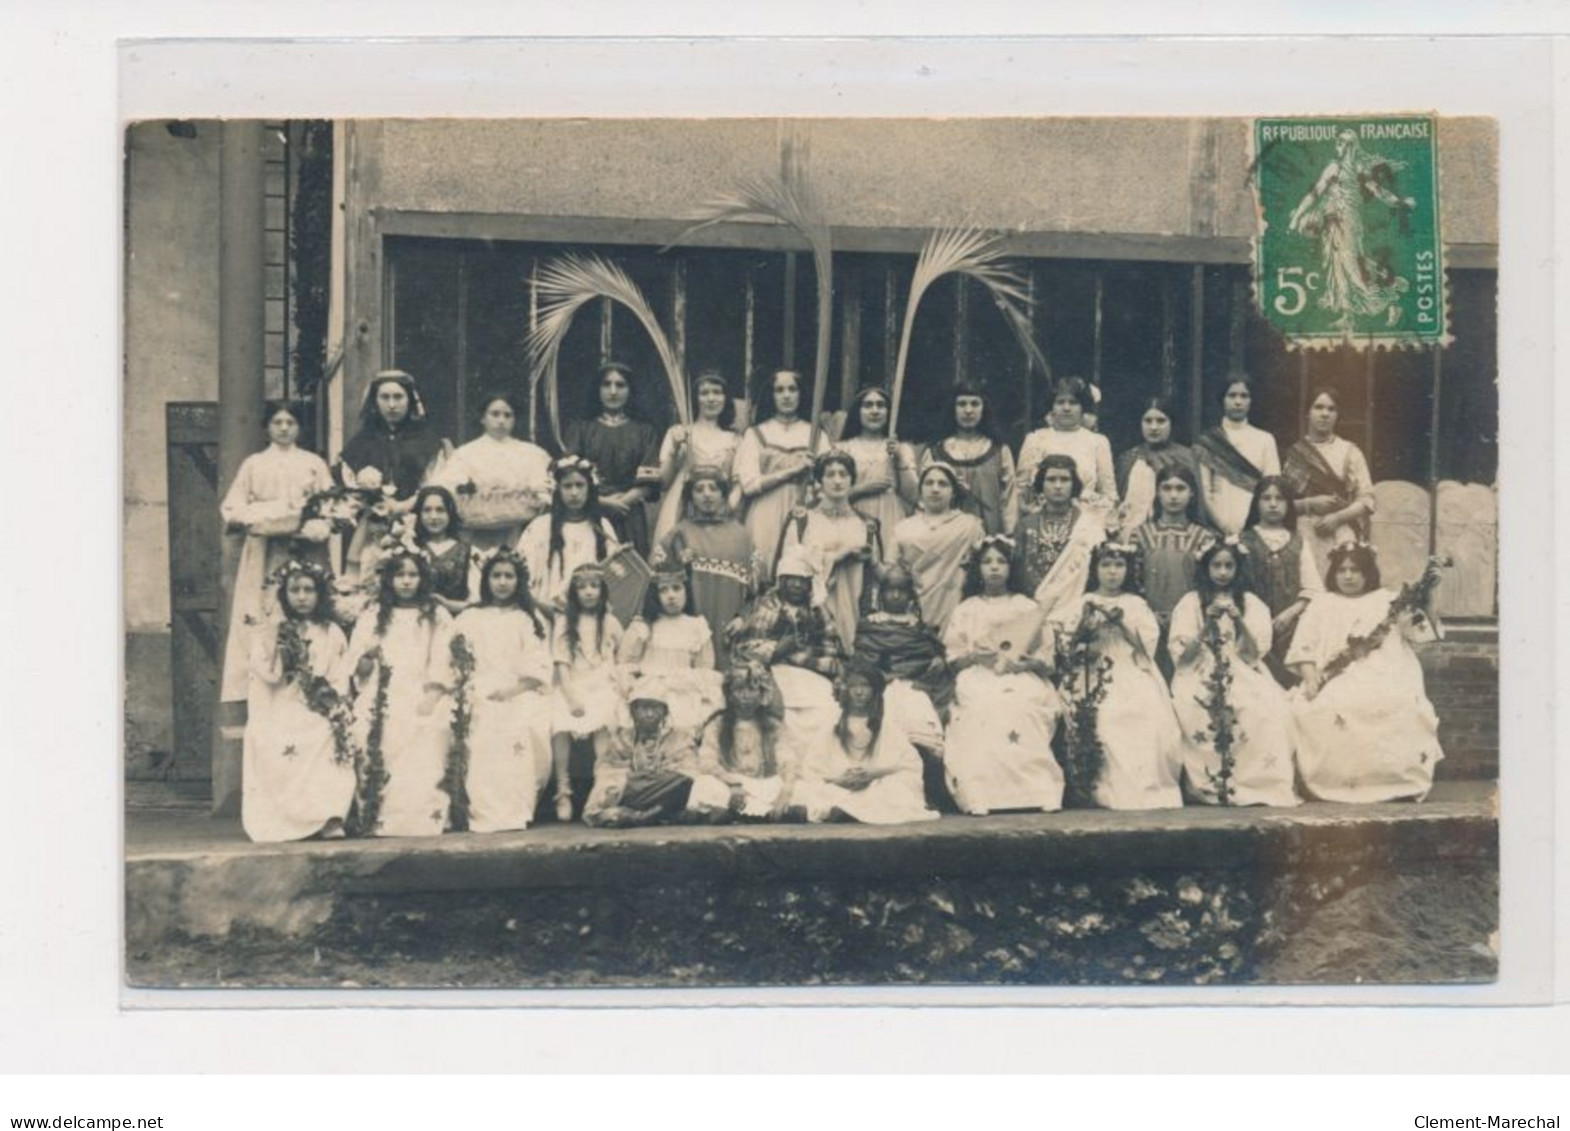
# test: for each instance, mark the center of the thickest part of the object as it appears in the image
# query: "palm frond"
(564, 287)
(788, 199)
(977, 255)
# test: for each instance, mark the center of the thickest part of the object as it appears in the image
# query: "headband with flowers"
(399, 540)
(992, 541)
(572, 462)
(484, 559)
(1231, 542)
(317, 573)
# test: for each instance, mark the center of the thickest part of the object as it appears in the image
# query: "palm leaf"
(788, 199)
(977, 255)
(564, 287)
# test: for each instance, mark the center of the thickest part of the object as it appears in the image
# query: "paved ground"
(153, 834)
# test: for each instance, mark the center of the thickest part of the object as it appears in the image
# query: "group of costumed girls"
(857, 629)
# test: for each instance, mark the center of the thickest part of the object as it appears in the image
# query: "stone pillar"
(241, 328)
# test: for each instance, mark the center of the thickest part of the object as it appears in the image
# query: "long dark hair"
(1359, 555)
(454, 524)
(324, 610)
(986, 426)
(852, 427)
(1178, 471)
(874, 677)
(766, 406)
(575, 611)
(1240, 578)
(1163, 405)
(651, 610)
(386, 601)
(1279, 483)
(521, 598)
(768, 726)
(591, 510)
(1061, 463)
(1004, 546)
(1130, 555)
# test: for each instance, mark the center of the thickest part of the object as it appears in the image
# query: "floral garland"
(320, 696)
(1089, 674)
(455, 781)
(372, 767)
(1413, 598)
(1222, 732)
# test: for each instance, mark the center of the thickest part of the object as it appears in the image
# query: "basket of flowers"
(495, 507)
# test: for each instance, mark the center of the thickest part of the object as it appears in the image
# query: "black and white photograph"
(811, 552)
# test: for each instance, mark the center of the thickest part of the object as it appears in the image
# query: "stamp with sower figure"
(1348, 248)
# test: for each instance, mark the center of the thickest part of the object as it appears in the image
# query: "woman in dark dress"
(394, 451)
(621, 448)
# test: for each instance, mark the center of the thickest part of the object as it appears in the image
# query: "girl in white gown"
(1111, 630)
(998, 749)
(571, 534)
(401, 652)
(298, 774)
(870, 771)
(1221, 623)
(1369, 734)
(587, 701)
(508, 691)
(671, 649)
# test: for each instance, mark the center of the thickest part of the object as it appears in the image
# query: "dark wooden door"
(194, 534)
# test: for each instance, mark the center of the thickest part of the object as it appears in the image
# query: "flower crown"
(992, 541)
(1356, 544)
(1127, 549)
(1231, 542)
(398, 540)
(572, 462)
(318, 573)
(483, 560)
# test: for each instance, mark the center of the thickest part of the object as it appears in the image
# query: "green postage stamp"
(1348, 249)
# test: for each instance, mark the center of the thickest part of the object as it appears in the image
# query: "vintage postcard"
(1038, 551)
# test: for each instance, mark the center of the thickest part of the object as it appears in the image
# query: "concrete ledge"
(1320, 893)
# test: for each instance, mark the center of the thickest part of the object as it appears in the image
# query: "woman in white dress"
(998, 748)
(297, 778)
(1370, 733)
(501, 483)
(934, 543)
(1232, 458)
(839, 542)
(870, 772)
(1107, 638)
(1329, 478)
(773, 465)
(709, 442)
(401, 653)
(509, 698)
(265, 503)
(1066, 434)
(885, 487)
(1237, 737)
(573, 533)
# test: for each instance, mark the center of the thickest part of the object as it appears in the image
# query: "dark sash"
(1215, 451)
(1308, 474)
